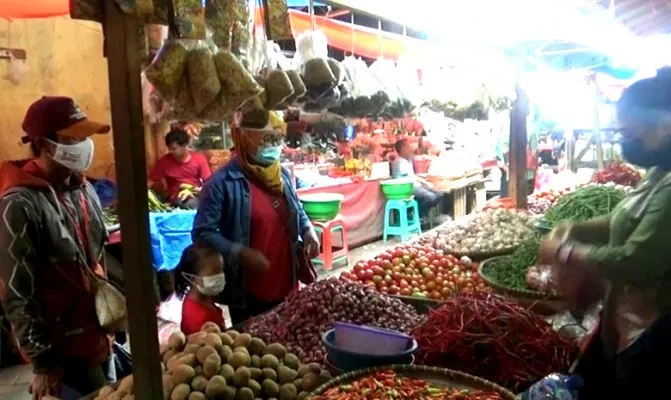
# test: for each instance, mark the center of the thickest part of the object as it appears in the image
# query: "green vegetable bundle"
(584, 204)
(511, 271)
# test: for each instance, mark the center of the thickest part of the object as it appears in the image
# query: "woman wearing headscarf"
(249, 211)
(624, 259)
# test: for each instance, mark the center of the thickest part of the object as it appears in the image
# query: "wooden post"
(123, 58)
(517, 178)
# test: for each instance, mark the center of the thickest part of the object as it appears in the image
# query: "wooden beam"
(123, 57)
(517, 179)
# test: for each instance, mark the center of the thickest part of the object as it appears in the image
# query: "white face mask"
(212, 284)
(77, 157)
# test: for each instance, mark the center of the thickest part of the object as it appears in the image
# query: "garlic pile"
(484, 232)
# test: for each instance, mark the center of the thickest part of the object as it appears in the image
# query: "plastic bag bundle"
(203, 78)
(317, 72)
(189, 19)
(298, 86)
(219, 22)
(167, 68)
(238, 85)
(278, 88)
(183, 106)
(241, 32)
(385, 72)
(408, 81)
(310, 45)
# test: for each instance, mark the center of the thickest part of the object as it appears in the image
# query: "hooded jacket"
(51, 249)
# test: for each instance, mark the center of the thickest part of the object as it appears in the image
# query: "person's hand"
(560, 233)
(184, 195)
(548, 250)
(46, 384)
(311, 243)
(254, 261)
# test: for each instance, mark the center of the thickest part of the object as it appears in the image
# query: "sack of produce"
(237, 84)
(183, 106)
(278, 88)
(298, 86)
(336, 69)
(167, 69)
(216, 111)
(189, 19)
(317, 72)
(219, 22)
(203, 78)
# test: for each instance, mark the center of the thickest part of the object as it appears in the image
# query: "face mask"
(212, 284)
(635, 152)
(267, 155)
(76, 157)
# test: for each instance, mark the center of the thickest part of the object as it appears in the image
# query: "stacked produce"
(541, 200)
(417, 271)
(488, 336)
(488, 231)
(306, 314)
(156, 205)
(230, 366)
(505, 203)
(512, 271)
(585, 203)
(618, 173)
(388, 385)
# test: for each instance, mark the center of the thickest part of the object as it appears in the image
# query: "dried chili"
(488, 336)
(387, 385)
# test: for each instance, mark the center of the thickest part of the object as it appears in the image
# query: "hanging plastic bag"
(238, 85)
(167, 69)
(203, 77)
(216, 111)
(297, 84)
(310, 45)
(385, 72)
(189, 18)
(278, 88)
(241, 29)
(220, 23)
(183, 106)
(16, 70)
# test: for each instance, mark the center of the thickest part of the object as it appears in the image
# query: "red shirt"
(194, 172)
(269, 236)
(195, 314)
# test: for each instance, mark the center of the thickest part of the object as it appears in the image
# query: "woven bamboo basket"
(539, 302)
(440, 377)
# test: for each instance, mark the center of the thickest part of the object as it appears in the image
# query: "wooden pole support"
(517, 178)
(123, 58)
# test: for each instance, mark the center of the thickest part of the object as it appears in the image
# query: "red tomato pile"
(417, 271)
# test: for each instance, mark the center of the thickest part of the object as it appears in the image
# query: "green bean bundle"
(511, 271)
(584, 204)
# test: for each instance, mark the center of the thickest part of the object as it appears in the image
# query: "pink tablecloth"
(362, 209)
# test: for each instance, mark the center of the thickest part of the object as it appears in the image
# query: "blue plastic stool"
(403, 227)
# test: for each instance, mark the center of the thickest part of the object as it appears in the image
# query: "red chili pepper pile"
(618, 173)
(488, 336)
(386, 385)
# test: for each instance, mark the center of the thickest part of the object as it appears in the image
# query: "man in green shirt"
(624, 259)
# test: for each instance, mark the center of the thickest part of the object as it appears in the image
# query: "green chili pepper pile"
(511, 271)
(584, 204)
(386, 385)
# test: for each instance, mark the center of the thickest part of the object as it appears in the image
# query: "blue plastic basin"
(350, 361)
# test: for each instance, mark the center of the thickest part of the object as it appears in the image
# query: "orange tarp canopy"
(360, 40)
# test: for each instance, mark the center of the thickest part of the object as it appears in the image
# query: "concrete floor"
(15, 381)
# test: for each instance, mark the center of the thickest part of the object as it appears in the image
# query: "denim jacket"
(223, 222)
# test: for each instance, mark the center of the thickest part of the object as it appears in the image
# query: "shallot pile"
(496, 339)
(300, 321)
(485, 232)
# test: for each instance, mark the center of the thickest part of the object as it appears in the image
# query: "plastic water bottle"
(554, 387)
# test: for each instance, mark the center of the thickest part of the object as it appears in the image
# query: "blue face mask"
(267, 155)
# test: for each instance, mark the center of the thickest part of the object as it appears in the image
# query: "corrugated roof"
(642, 17)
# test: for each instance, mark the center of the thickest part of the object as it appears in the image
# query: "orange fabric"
(33, 9)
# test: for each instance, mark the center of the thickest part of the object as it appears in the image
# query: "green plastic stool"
(404, 227)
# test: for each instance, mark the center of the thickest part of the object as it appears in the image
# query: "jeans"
(639, 372)
(427, 199)
(188, 204)
(80, 380)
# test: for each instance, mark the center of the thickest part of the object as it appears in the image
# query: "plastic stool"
(325, 230)
(404, 228)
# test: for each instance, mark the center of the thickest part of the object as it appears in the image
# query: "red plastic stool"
(325, 230)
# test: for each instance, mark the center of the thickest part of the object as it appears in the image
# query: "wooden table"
(468, 193)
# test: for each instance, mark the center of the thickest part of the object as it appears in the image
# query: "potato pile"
(228, 365)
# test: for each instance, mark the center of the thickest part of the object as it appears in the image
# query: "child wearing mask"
(199, 277)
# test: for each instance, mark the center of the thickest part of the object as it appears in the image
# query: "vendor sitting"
(180, 169)
(426, 196)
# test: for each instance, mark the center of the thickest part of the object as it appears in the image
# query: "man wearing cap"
(249, 211)
(51, 250)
